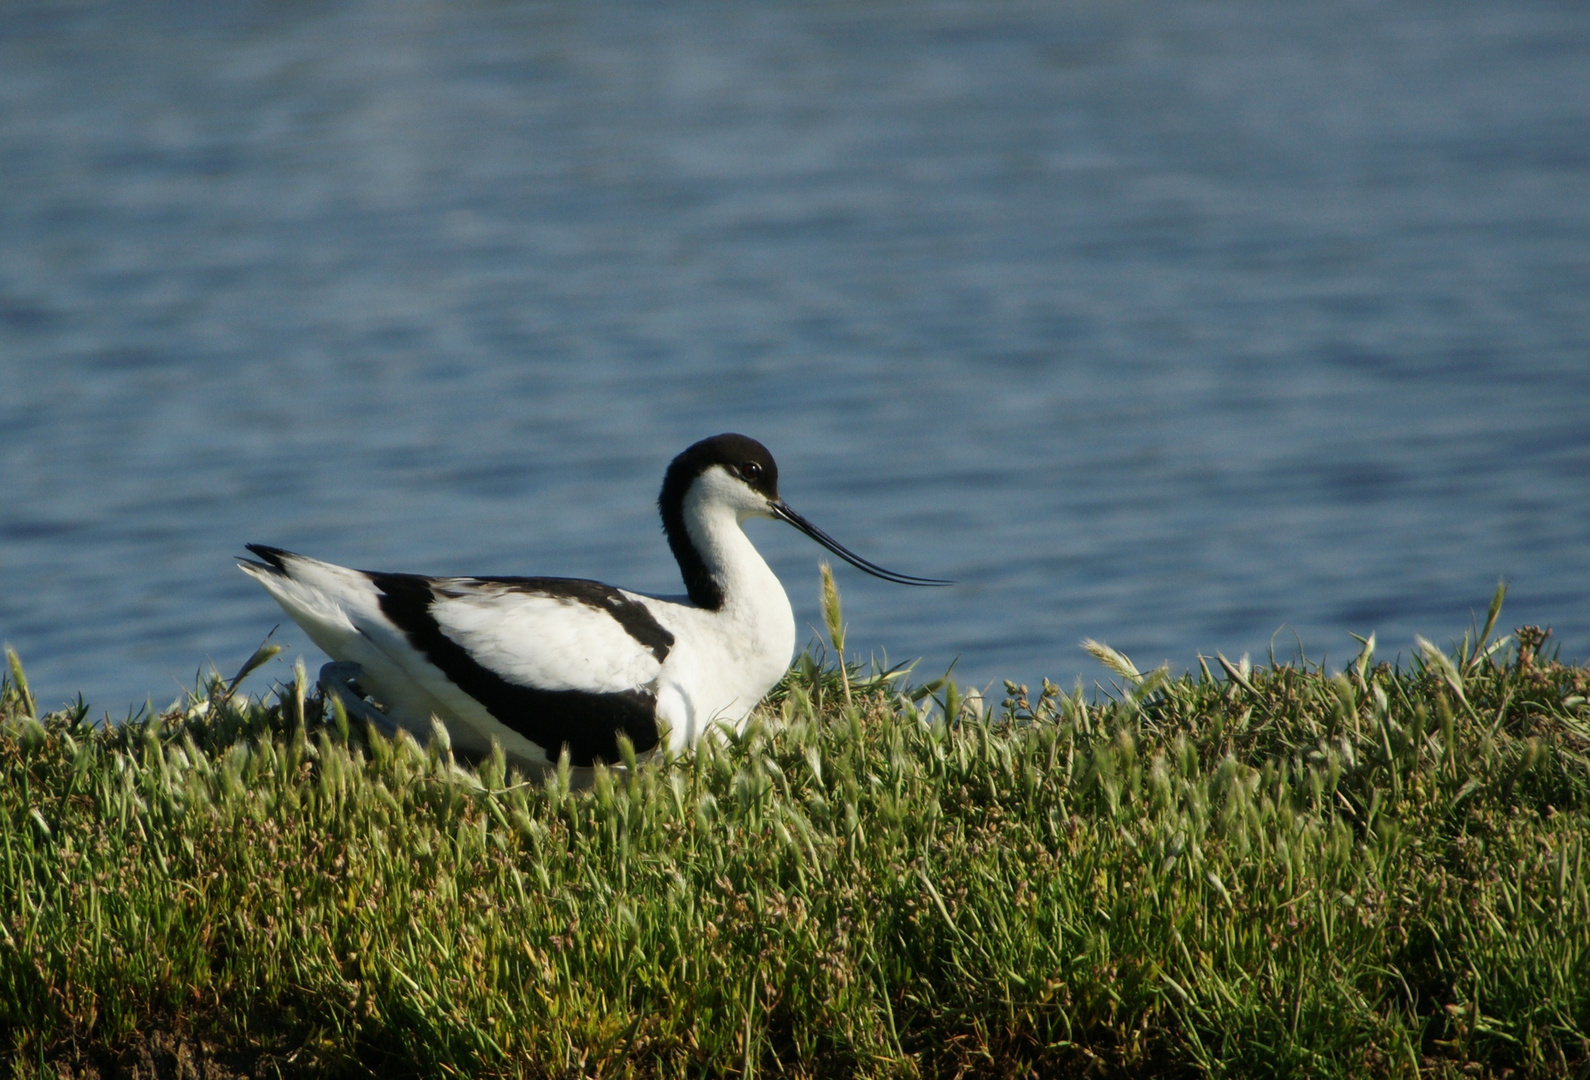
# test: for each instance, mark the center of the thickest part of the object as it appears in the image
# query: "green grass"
(1254, 872)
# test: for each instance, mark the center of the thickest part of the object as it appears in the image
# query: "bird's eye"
(751, 470)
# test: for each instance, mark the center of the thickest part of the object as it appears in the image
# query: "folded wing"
(559, 662)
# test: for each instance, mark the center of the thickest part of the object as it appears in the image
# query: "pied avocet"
(544, 665)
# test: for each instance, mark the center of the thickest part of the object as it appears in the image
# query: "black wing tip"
(275, 558)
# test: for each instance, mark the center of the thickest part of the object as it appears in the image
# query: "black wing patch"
(275, 558)
(587, 723)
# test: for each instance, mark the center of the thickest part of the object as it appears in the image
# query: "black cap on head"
(741, 455)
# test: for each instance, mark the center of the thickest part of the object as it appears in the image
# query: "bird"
(550, 667)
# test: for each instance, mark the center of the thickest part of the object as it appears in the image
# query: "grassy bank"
(1239, 872)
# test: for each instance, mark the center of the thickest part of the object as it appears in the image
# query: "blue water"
(1175, 323)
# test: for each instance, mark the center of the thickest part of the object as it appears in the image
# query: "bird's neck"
(723, 571)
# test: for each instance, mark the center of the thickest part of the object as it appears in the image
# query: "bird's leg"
(339, 679)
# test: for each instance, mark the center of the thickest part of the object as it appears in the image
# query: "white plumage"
(551, 665)
(577, 647)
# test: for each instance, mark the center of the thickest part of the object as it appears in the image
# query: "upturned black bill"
(786, 514)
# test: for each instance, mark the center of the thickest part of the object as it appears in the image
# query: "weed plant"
(1249, 871)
